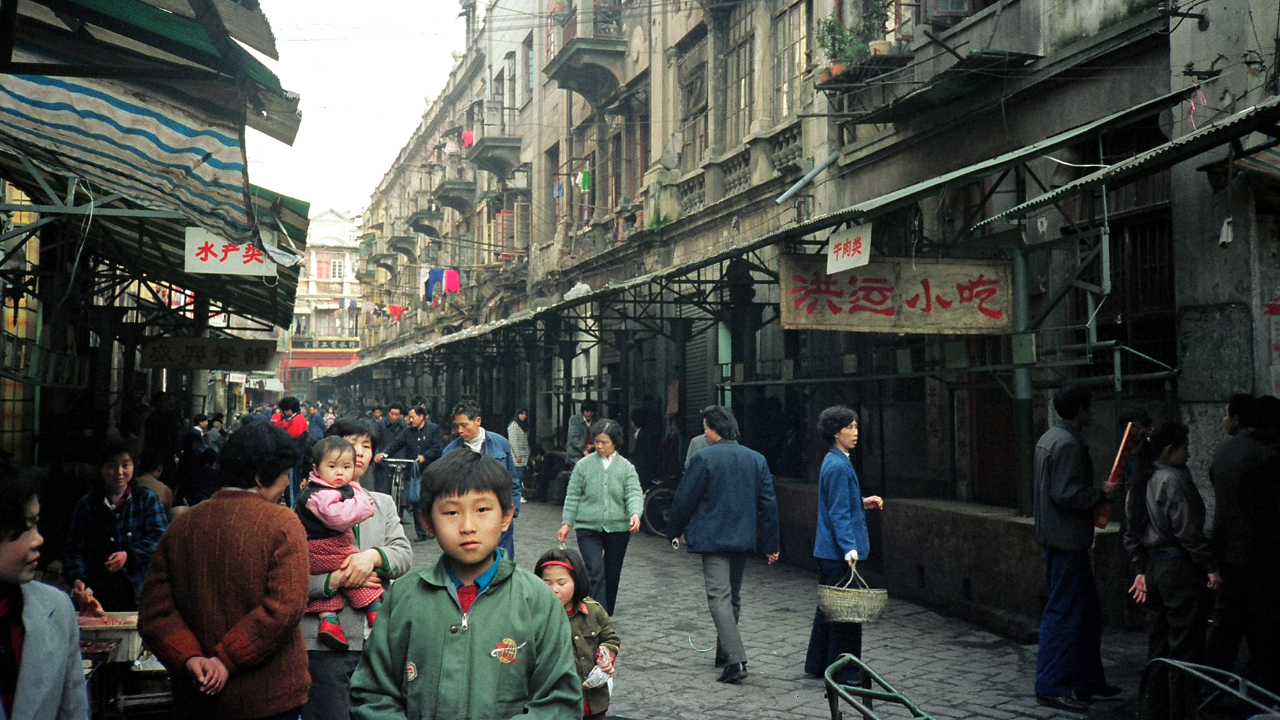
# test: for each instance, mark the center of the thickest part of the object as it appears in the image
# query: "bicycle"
(657, 506)
(399, 482)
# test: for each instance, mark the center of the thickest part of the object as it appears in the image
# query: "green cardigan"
(511, 654)
(602, 500)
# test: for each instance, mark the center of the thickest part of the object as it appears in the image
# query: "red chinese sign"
(848, 249)
(209, 254)
(897, 295)
(209, 354)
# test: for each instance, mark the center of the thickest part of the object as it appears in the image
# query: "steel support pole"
(1023, 416)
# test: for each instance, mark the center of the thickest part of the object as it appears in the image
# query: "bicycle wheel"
(397, 488)
(657, 504)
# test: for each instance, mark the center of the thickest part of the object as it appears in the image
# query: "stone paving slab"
(949, 668)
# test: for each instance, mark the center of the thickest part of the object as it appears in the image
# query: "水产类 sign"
(209, 354)
(209, 254)
(897, 295)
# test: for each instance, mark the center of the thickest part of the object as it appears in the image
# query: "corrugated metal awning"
(1262, 117)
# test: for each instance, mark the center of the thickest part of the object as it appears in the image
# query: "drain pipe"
(808, 178)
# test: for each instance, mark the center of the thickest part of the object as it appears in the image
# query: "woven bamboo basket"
(857, 604)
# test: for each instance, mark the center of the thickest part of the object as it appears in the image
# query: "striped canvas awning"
(157, 150)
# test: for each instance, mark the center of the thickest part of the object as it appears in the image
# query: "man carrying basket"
(840, 542)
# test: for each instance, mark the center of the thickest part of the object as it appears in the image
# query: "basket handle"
(853, 573)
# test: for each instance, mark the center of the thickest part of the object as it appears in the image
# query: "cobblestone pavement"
(949, 668)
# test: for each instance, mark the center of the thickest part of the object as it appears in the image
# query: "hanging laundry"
(380, 310)
(368, 306)
(396, 312)
(452, 283)
(584, 180)
(435, 285)
(435, 302)
(468, 138)
(424, 275)
(557, 190)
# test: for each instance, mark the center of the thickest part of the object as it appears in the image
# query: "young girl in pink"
(329, 506)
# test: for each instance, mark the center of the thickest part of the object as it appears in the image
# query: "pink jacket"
(336, 512)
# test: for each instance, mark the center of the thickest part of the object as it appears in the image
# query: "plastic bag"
(597, 678)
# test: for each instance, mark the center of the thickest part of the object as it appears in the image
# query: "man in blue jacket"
(726, 508)
(466, 422)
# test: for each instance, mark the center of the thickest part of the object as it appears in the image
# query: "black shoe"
(1063, 702)
(721, 660)
(734, 673)
(1106, 692)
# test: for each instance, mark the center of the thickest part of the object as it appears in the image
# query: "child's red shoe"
(331, 633)
(371, 616)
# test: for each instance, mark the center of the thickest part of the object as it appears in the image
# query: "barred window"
(740, 74)
(791, 56)
(692, 67)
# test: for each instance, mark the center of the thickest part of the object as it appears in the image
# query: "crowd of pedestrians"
(261, 558)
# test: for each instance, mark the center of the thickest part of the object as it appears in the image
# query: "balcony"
(457, 194)
(589, 58)
(387, 261)
(405, 245)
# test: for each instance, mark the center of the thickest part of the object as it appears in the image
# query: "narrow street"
(951, 669)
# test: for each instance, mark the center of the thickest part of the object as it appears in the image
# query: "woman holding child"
(382, 553)
(227, 587)
(603, 504)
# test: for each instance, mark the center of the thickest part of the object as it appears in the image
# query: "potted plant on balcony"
(872, 29)
(840, 44)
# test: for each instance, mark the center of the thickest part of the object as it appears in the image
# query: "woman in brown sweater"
(227, 587)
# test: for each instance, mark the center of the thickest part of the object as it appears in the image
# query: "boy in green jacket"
(473, 637)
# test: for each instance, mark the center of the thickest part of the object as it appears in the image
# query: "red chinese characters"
(847, 249)
(227, 249)
(871, 295)
(929, 299)
(206, 252)
(816, 291)
(252, 254)
(980, 290)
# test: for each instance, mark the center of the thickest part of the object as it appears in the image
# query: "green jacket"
(602, 500)
(509, 655)
(592, 629)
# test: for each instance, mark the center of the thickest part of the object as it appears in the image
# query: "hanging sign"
(382, 373)
(209, 354)
(849, 248)
(209, 254)
(900, 295)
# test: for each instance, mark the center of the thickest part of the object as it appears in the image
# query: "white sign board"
(209, 254)
(848, 249)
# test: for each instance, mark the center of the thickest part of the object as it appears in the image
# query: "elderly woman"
(228, 586)
(841, 538)
(114, 531)
(385, 554)
(603, 503)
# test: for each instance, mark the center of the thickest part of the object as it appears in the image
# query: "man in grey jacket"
(575, 442)
(1069, 667)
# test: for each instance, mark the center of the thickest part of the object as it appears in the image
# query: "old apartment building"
(1046, 191)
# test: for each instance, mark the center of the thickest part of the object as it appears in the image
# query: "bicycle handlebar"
(398, 461)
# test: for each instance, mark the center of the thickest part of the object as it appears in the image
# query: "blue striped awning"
(158, 150)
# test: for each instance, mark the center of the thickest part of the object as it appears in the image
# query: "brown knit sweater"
(229, 579)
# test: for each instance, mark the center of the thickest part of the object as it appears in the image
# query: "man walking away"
(1246, 531)
(726, 507)
(1069, 667)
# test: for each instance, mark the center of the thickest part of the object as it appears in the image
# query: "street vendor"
(41, 675)
(114, 531)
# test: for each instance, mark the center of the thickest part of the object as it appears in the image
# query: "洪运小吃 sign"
(897, 295)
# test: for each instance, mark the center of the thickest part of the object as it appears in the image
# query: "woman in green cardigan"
(603, 504)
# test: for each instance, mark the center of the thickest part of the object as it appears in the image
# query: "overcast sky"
(363, 71)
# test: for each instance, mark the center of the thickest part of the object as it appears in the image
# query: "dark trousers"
(603, 553)
(1245, 608)
(722, 574)
(330, 697)
(1176, 619)
(829, 640)
(1070, 658)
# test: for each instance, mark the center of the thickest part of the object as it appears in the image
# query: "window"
(791, 56)
(322, 266)
(526, 56)
(615, 171)
(637, 145)
(692, 68)
(337, 268)
(740, 74)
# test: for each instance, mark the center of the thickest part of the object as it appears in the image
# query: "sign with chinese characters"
(900, 295)
(848, 249)
(382, 373)
(209, 254)
(209, 354)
